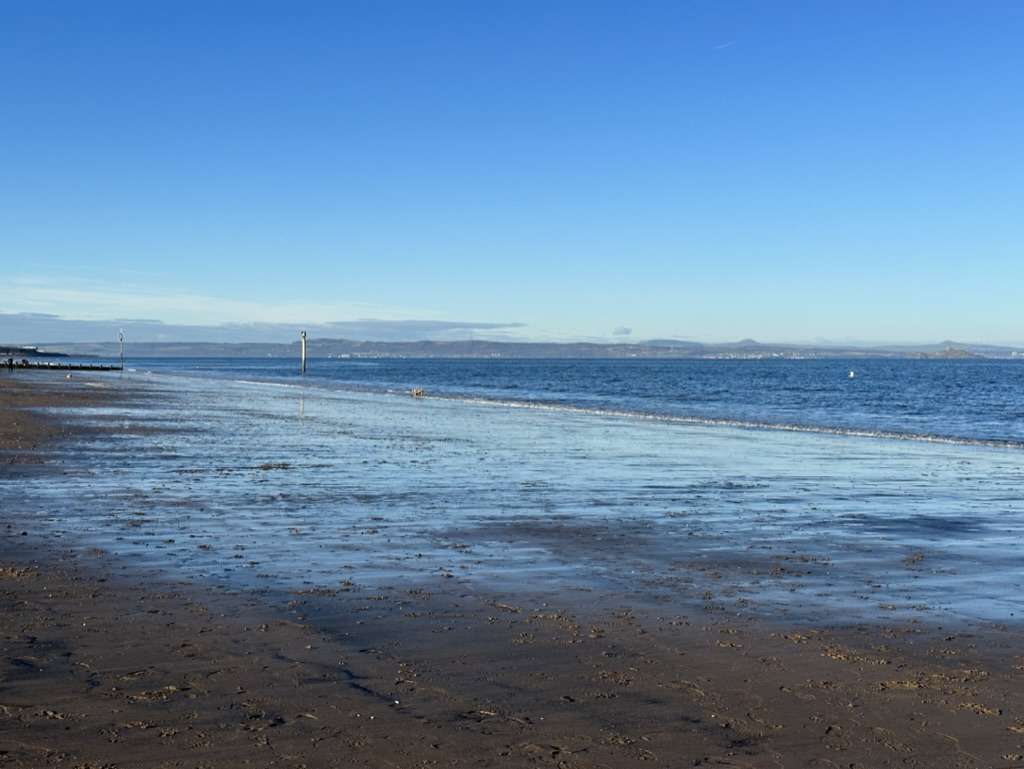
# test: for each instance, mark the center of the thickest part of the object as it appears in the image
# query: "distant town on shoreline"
(747, 349)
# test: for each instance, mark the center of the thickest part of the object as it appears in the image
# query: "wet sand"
(22, 432)
(102, 666)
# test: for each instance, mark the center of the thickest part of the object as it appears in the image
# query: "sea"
(870, 490)
(953, 400)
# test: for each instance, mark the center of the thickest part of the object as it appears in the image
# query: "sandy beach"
(107, 663)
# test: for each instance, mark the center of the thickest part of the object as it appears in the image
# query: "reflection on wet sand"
(283, 486)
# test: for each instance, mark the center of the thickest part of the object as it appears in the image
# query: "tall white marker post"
(302, 365)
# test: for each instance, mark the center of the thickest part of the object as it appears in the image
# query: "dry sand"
(98, 670)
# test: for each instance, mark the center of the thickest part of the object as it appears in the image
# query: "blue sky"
(712, 170)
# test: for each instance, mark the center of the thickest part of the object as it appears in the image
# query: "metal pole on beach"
(302, 365)
(120, 339)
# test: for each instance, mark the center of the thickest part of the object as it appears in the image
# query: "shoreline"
(101, 666)
(616, 413)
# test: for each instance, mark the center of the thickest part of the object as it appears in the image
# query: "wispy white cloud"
(42, 328)
(96, 300)
(42, 310)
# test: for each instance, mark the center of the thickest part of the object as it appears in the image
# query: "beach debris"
(981, 710)
(506, 607)
(53, 715)
(15, 572)
(157, 695)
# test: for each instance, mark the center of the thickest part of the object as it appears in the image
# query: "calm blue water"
(971, 400)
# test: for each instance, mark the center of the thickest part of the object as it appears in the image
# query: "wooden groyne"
(17, 365)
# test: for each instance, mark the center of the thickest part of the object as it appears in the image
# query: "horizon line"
(650, 342)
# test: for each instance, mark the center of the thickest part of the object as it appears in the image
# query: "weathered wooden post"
(302, 365)
(120, 339)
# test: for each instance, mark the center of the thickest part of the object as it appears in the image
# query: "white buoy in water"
(851, 375)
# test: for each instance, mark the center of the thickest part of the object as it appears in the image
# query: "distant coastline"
(31, 351)
(655, 349)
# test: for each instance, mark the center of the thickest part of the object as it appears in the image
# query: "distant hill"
(655, 348)
(16, 351)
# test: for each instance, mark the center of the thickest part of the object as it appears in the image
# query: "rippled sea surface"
(882, 510)
(968, 400)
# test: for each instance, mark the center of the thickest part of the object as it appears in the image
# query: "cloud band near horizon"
(27, 328)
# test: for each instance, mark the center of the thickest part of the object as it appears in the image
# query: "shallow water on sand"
(301, 487)
(970, 400)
